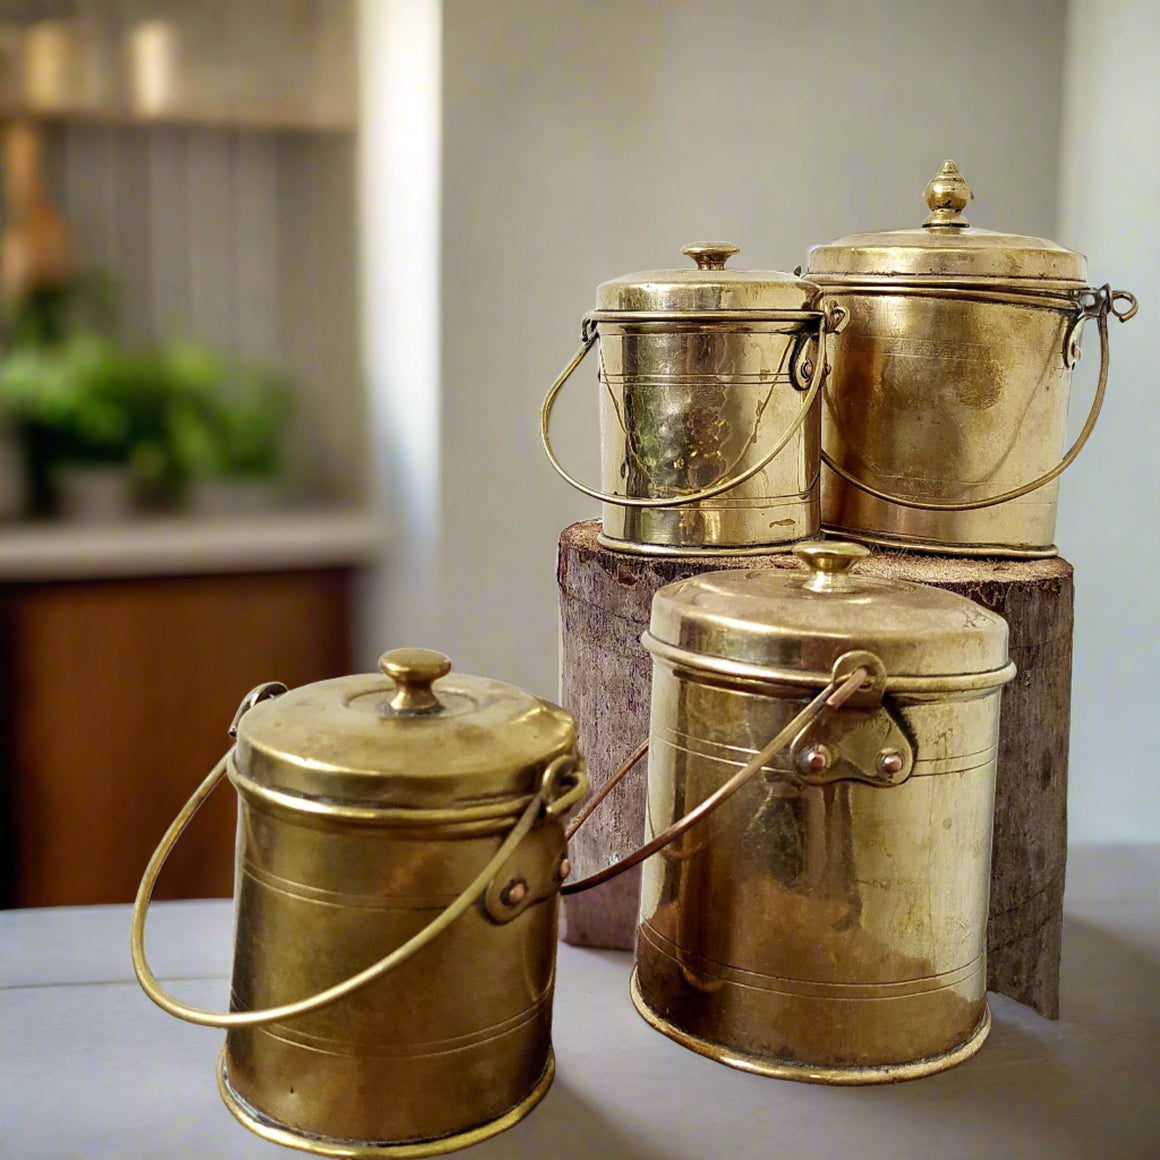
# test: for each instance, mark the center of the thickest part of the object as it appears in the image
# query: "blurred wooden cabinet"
(117, 697)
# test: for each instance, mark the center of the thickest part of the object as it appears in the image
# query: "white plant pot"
(235, 497)
(94, 495)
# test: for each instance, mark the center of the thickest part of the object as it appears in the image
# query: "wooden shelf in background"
(254, 120)
(117, 697)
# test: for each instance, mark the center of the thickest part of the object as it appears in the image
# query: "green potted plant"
(72, 400)
(227, 427)
(108, 429)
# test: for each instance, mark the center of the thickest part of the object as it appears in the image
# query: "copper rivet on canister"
(514, 892)
(889, 761)
(815, 759)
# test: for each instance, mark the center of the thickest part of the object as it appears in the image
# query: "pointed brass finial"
(946, 195)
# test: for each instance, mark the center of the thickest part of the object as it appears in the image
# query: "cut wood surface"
(605, 600)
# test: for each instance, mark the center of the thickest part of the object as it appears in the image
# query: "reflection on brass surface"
(828, 921)
(943, 422)
(400, 850)
(683, 409)
(809, 1073)
(270, 1130)
(709, 416)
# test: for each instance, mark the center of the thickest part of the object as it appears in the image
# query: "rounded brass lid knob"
(414, 671)
(711, 255)
(947, 194)
(829, 561)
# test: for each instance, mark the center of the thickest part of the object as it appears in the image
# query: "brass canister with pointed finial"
(945, 417)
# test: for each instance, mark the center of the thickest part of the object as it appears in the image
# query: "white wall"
(586, 140)
(399, 166)
(1110, 499)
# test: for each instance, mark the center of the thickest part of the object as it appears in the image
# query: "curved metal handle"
(547, 798)
(1105, 300)
(833, 696)
(831, 320)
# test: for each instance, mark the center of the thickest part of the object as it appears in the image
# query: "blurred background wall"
(1110, 498)
(185, 459)
(351, 242)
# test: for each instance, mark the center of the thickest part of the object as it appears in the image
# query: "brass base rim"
(931, 548)
(637, 548)
(276, 1133)
(811, 1073)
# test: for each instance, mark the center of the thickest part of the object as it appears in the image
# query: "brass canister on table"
(400, 850)
(709, 413)
(821, 784)
(944, 420)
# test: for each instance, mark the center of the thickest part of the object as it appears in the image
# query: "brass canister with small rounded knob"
(944, 421)
(400, 852)
(709, 381)
(821, 780)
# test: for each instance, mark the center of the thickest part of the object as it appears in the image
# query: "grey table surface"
(89, 1067)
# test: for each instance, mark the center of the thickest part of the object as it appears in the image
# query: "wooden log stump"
(605, 679)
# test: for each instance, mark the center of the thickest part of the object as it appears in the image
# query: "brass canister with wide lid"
(821, 783)
(400, 850)
(709, 413)
(944, 421)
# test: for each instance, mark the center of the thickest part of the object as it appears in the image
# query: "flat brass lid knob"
(414, 671)
(711, 255)
(829, 561)
(947, 194)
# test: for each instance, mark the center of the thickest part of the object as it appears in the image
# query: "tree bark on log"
(605, 679)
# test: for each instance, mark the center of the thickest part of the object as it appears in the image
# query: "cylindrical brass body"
(710, 425)
(830, 932)
(944, 420)
(685, 405)
(455, 1039)
(947, 399)
(400, 851)
(828, 921)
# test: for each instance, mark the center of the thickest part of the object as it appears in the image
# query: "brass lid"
(946, 245)
(797, 624)
(411, 737)
(706, 286)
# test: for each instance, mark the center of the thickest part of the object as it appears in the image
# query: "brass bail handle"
(830, 321)
(840, 689)
(560, 787)
(1103, 304)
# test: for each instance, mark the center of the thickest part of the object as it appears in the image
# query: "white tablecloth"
(90, 1068)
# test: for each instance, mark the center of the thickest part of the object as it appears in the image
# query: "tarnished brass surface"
(683, 408)
(769, 623)
(950, 383)
(452, 1039)
(827, 922)
(270, 1130)
(809, 1073)
(709, 417)
(400, 850)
